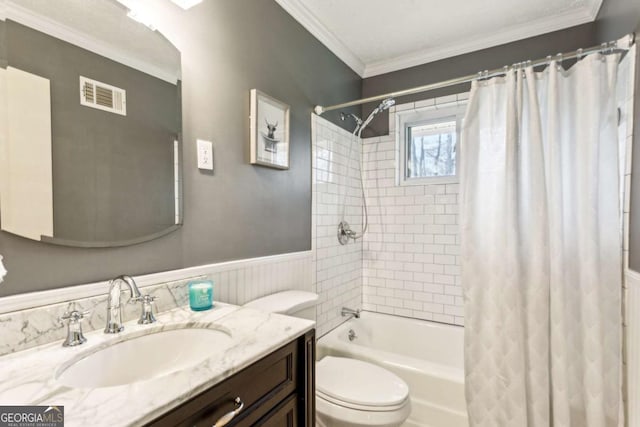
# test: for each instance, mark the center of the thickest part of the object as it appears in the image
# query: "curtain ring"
(548, 59)
(559, 59)
(482, 75)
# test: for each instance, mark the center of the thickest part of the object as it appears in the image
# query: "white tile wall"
(411, 254)
(338, 269)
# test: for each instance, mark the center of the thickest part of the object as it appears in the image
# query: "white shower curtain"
(541, 248)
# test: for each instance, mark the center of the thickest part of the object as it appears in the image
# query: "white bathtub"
(428, 356)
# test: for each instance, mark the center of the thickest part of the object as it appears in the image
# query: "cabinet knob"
(226, 418)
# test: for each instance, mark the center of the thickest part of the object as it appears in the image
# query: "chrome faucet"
(114, 306)
(350, 312)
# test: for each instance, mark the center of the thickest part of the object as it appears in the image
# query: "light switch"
(205, 155)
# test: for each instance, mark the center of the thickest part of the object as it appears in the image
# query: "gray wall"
(112, 174)
(241, 211)
(471, 63)
(228, 48)
(617, 18)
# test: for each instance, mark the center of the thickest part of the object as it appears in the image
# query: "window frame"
(407, 119)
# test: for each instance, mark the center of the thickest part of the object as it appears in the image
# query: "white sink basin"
(144, 357)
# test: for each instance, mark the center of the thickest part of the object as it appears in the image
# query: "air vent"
(102, 96)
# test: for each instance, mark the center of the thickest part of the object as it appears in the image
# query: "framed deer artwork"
(269, 131)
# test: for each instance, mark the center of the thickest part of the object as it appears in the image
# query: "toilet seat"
(354, 384)
(348, 405)
(332, 415)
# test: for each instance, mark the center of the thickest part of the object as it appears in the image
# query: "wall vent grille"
(102, 96)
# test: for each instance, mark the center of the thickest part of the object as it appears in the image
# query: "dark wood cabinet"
(277, 391)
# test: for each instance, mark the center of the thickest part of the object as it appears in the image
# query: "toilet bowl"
(353, 393)
(349, 392)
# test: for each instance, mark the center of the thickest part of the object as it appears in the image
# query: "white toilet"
(349, 392)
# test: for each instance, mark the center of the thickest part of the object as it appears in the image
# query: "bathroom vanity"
(187, 369)
(276, 391)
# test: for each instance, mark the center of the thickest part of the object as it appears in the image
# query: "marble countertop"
(29, 377)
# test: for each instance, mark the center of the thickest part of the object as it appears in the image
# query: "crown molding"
(308, 20)
(17, 13)
(510, 34)
(304, 16)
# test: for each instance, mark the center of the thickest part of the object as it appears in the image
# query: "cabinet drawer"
(260, 386)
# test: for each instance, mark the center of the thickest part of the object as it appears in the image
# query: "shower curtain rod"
(610, 47)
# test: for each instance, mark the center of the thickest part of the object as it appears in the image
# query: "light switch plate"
(205, 155)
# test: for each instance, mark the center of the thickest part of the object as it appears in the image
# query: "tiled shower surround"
(407, 263)
(411, 264)
(338, 268)
(410, 256)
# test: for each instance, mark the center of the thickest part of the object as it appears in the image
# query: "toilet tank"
(300, 304)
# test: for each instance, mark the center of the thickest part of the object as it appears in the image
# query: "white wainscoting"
(632, 353)
(235, 282)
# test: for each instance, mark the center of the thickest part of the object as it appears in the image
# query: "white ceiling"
(379, 36)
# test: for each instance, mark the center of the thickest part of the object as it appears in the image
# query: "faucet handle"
(75, 316)
(146, 317)
(74, 328)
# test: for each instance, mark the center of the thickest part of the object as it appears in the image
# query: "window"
(428, 141)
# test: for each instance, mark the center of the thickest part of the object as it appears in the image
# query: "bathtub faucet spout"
(350, 312)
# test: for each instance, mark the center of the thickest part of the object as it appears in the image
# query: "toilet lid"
(360, 383)
(287, 302)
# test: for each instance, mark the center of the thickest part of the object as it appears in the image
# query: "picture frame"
(269, 131)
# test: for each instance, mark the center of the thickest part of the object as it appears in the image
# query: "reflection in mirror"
(90, 124)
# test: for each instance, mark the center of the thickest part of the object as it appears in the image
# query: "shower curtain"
(541, 248)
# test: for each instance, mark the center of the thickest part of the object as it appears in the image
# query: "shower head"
(384, 105)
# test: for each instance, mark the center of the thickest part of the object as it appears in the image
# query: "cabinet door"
(284, 415)
(261, 387)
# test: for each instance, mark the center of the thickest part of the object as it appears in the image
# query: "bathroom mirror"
(90, 124)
